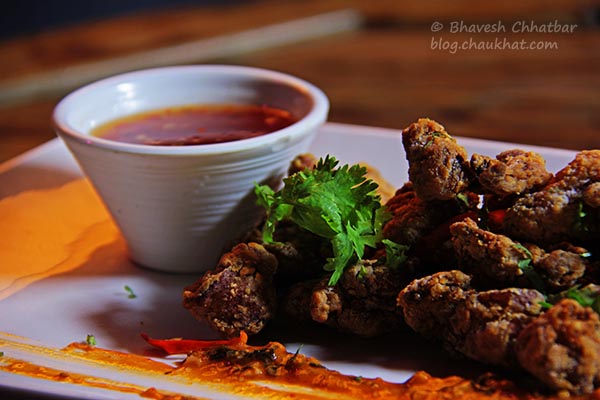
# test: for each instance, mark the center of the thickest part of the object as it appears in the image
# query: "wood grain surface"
(379, 68)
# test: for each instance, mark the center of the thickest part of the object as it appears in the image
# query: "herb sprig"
(338, 204)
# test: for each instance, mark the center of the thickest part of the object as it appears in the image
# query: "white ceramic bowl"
(178, 206)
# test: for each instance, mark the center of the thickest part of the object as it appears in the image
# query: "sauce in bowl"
(196, 125)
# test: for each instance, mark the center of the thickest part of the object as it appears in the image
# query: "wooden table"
(382, 63)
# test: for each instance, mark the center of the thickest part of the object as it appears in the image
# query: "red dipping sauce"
(196, 125)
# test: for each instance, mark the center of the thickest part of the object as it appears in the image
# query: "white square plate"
(64, 308)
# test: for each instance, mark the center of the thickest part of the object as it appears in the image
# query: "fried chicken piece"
(300, 254)
(413, 218)
(428, 303)
(591, 195)
(481, 251)
(238, 294)
(363, 302)
(499, 258)
(562, 347)
(480, 325)
(581, 172)
(513, 172)
(484, 327)
(560, 268)
(557, 213)
(438, 166)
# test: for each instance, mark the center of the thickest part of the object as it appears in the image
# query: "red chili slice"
(496, 218)
(184, 346)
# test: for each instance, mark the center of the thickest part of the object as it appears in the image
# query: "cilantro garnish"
(462, 197)
(584, 296)
(528, 270)
(90, 339)
(395, 253)
(338, 204)
(433, 136)
(581, 222)
(130, 292)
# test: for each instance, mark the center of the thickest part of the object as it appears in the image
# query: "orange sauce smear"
(196, 125)
(277, 375)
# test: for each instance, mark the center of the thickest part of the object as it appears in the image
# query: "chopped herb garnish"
(338, 204)
(293, 358)
(528, 269)
(463, 198)
(1, 354)
(580, 211)
(523, 249)
(584, 296)
(130, 293)
(395, 253)
(545, 304)
(90, 339)
(581, 223)
(362, 272)
(433, 136)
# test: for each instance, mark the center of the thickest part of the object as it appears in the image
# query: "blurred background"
(519, 71)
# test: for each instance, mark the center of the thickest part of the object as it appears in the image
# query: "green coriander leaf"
(531, 274)
(90, 339)
(523, 249)
(362, 272)
(463, 198)
(433, 136)
(130, 293)
(581, 223)
(395, 253)
(338, 204)
(584, 296)
(545, 304)
(528, 269)
(580, 211)
(1, 354)
(596, 304)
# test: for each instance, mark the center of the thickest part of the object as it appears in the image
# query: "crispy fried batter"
(513, 172)
(484, 327)
(554, 214)
(560, 268)
(562, 347)
(438, 166)
(480, 325)
(428, 303)
(363, 302)
(499, 258)
(486, 311)
(413, 218)
(238, 294)
(483, 252)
